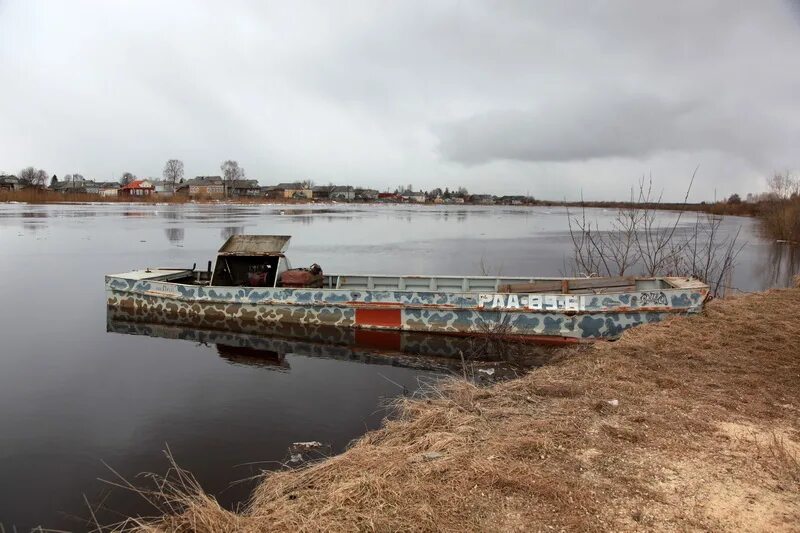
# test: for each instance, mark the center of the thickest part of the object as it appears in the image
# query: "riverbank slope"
(690, 424)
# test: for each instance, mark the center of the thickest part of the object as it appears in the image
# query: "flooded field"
(80, 388)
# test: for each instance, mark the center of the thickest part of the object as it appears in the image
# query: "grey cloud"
(505, 97)
(611, 127)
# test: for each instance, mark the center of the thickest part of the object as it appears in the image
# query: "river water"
(79, 394)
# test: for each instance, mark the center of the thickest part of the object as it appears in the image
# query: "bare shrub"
(780, 210)
(32, 177)
(786, 462)
(231, 172)
(707, 254)
(174, 497)
(173, 173)
(778, 455)
(641, 242)
(494, 342)
(491, 343)
(610, 252)
(783, 185)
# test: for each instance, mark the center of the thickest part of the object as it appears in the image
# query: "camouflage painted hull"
(547, 317)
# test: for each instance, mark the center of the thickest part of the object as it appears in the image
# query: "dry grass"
(49, 197)
(703, 435)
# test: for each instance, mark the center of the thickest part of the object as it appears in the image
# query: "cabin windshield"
(246, 270)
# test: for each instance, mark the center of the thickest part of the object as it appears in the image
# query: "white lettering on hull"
(163, 288)
(533, 302)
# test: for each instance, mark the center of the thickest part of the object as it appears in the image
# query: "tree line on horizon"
(172, 173)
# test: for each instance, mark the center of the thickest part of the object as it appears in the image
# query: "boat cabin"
(251, 261)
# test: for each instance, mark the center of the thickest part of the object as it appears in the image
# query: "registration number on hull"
(534, 302)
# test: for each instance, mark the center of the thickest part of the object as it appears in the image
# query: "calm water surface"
(74, 395)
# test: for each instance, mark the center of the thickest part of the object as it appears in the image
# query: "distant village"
(217, 187)
(233, 185)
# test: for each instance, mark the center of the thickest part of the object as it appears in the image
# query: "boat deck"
(155, 274)
(462, 284)
(505, 284)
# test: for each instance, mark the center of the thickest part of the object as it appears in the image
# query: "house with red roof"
(137, 188)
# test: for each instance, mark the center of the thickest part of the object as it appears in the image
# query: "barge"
(252, 282)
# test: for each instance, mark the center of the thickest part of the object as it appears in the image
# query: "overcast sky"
(545, 98)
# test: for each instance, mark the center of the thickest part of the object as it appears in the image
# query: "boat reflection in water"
(259, 344)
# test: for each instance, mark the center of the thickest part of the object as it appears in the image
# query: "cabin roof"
(255, 245)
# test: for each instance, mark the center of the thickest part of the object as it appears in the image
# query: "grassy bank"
(690, 424)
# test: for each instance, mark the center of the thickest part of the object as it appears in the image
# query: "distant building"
(366, 195)
(322, 192)
(512, 200)
(242, 188)
(288, 191)
(270, 191)
(344, 193)
(90, 187)
(9, 183)
(62, 187)
(389, 197)
(108, 188)
(163, 187)
(137, 188)
(202, 187)
(79, 186)
(454, 200)
(482, 199)
(414, 196)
